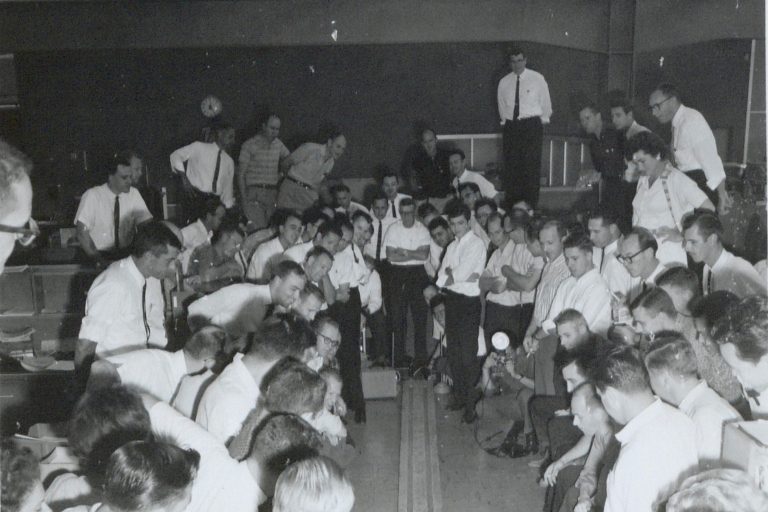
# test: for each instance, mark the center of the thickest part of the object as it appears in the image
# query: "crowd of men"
(635, 334)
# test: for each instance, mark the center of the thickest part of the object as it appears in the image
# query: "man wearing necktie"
(524, 107)
(206, 168)
(390, 183)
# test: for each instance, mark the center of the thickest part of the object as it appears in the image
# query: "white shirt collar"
(130, 266)
(722, 261)
(648, 415)
(678, 117)
(687, 403)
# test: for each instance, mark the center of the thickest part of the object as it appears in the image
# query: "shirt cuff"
(548, 325)
(93, 330)
(715, 182)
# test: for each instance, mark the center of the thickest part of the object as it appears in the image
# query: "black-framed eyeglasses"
(330, 341)
(627, 260)
(24, 235)
(656, 106)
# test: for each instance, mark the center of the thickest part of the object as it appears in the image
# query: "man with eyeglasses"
(637, 253)
(15, 201)
(693, 144)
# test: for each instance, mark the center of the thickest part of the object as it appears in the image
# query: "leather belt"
(299, 183)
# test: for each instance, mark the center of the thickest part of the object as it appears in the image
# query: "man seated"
(605, 234)
(657, 440)
(743, 338)
(311, 220)
(342, 196)
(328, 236)
(219, 263)
(125, 308)
(672, 368)
(158, 373)
(228, 400)
(637, 254)
(268, 254)
(703, 234)
(460, 173)
(240, 308)
(109, 214)
(371, 299)
(201, 231)
(311, 302)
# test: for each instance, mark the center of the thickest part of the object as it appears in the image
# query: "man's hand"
(563, 412)
(668, 234)
(583, 505)
(550, 475)
(531, 345)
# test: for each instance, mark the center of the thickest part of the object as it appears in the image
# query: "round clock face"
(211, 106)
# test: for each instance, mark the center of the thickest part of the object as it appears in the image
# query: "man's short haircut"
(518, 219)
(317, 251)
(655, 301)
(104, 419)
(607, 215)
(282, 439)
(149, 474)
(19, 471)
(210, 203)
(379, 196)
(558, 224)
(312, 215)
(496, 217)
(671, 352)
(681, 278)
(457, 209)
(645, 239)
(624, 104)
(584, 355)
(515, 50)
(428, 129)
(321, 319)
(586, 391)
(438, 222)
(122, 157)
(389, 173)
(287, 267)
(620, 367)
(284, 335)
(485, 201)
(281, 215)
(471, 185)
(219, 127)
(733, 490)
(228, 226)
(265, 114)
(578, 241)
(360, 214)
(425, 209)
(406, 201)
(591, 106)
(456, 151)
(533, 229)
(340, 187)
(745, 325)
(571, 316)
(707, 222)
(343, 221)
(713, 306)
(154, 237)
(14, 167)
(207, 342)
(313, 485)
(329, 227)
(649, 143)
(668, 90)
(311, 289)
(291, 386)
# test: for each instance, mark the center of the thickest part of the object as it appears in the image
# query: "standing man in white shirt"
(458, 167)
(407, 245)
(390, 185)
(743, 338)
(125, 309)
(703, 236)
(524, 107)
(459, 277)
(267, 255)
(15, 200)
(258, 171)
(109, 214)
(693, 144)
(658, 447)
(380, 223)
(206, 167)
(674, 377)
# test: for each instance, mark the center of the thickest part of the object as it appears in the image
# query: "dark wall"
(97, 100)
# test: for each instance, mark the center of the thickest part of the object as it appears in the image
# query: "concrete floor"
(418, 457)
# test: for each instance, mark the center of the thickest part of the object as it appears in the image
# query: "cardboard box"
(745, 446)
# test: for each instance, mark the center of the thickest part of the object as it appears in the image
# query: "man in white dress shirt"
(459, 277)
(442, 236)
(674, 376)
(228, 400)
(390, 185)
(637, 254)
(342, 196)
(268, 255)
(109, 214)
(15, 200)
(743, 338)
(206, 167)
(458, 167)
(380, 222)
(125, 309)
(328, 237)
(658, 442)
(693, 144)
(407, 246)
(201, 231)
(703, 233)
(524, 107)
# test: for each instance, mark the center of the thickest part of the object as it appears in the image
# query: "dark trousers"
(698, 176)
(192, 204)
(379, 346)
(406, 289)
(347, 314)
(617, 195)
(566, 479)
(462, 321)
(513, 320)
(522, 160)
(542, 410)
(544, 371)
(384, 268)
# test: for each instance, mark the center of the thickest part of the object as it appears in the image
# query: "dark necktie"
(378, 242)
(216, 171)
(710, 284)
(602, 259)
(440, 263)
(144, 310)
(354, 254)
(516, 112)
(116, 219)
(644, 287)
(394, 210)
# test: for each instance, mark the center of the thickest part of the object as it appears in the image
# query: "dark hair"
(340, 187)
(154, 237)
(496, 217)
(207, 342)
(287, 267)
(264, 115)
(584, 355)
(388, 173)
(218, 127)
(623, 103)
(282, 439)
(591, 106)
(104, 419)
(485, 201)
(554, 223)
(456, 151)
(209, 205)
(745, 325)
(533, 228)
(317, 251)
(122, 157)
(607, 215)
(668, 90)
(379, 196)
(284, 335)
(406, 201)
(311, 289)
(620, 367)
(438, 222)
(19, 471)
(647, 142)
(343, 221)
(655, 301)
(645, 238)
(330, 227)
(228, 226)
(143, 474)
(425, 209)
(312, 215)
(321, 319)
(457, 209)
(578, 241)
(707, 222)
(671, 352)
(680, 277)
(291, 386)
(515, 50)
(361, 214)
(518, 219)
(281, 215)
(713, 306)
(474, 187)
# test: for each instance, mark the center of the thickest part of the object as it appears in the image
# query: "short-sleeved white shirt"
(398, 236)
(155, 372)
(237, 308)
(96, 213)
(265, 260)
